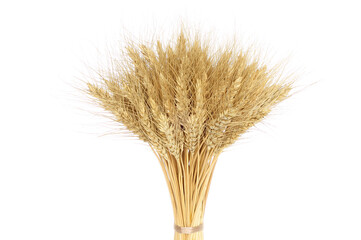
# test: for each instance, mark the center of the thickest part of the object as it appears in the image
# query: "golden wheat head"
(180, 97)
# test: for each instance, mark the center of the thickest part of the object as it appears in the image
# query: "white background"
(295, 176)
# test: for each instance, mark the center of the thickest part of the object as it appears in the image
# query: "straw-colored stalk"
(188, 183)
(188, 103)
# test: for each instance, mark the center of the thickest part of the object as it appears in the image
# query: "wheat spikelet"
(189, 104)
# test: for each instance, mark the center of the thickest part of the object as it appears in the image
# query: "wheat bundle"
(188, 103)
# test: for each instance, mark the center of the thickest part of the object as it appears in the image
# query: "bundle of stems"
(188, 102)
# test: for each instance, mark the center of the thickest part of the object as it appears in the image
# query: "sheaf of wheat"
(188, 102)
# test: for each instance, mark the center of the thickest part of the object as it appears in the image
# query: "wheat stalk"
(188, 104)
